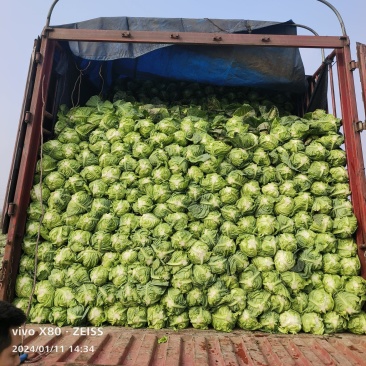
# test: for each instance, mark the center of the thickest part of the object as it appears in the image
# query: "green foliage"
(179, 204)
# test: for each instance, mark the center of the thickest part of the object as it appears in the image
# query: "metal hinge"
(38, 58)
(360, 126)
(353, 65)
(27, 117)
(11, 209)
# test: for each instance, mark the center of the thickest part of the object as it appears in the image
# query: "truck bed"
(126, 346)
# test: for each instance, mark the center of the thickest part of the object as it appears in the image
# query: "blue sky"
(22, 21)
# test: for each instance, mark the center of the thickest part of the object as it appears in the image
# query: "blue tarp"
(266, 67)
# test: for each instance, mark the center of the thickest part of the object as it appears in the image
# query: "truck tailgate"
(126, 346)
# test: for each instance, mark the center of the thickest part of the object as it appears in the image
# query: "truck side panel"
(129, 347)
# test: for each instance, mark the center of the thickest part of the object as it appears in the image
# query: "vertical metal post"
(27, 169)
(355, 162)
(361, 55)
(331, 77)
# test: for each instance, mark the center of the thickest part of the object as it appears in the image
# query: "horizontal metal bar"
(269, 40)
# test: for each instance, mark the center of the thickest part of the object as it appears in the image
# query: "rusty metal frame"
(332, 90)
(361, 56)
(50, 39)
(196, 38)
(26, 170)
(355, 162)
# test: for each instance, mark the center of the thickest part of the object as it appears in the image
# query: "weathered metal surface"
(355, 163)
(196, 38)
(129, 347)
(28, 150)
(332, 90)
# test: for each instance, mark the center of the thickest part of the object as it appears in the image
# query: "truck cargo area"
(105, 57)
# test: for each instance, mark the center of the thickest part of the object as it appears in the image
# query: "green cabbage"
(312, 323)
(290, 322)
(174, 204)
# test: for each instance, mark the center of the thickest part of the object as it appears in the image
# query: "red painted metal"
(355, 162)
(332, 92)
(321, 67)
(361, 56)
(190, 347)
(26, 170)
(197, 38)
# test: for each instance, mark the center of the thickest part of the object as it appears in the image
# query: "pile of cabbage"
(224, 214)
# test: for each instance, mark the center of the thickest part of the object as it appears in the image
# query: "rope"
(101, 76)
(78, 81)
(223, 30)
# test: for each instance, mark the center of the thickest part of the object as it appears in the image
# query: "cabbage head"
(39, 314)
(344, 227)
(294, 281)
(174, 302)
(299, 302)
(350, 266)
(347, 304)
(269, 321)
(196, 297)
(284, 260)
(312, 323)
(263, 264)
(199, 317)
(355, 285)
(287, 242)
(284, 206)
(65, 297)
(156, 317)
(248, 321)
(44, 292)
(290, 322)
(223, 319)
(258, 302)
(116, 314)
(357, 324)
(320, 301)
(202, 275)
(86, 294)
(267, 225)
(334, 323)
(58, 316)
(239, 157)
(279, 303)
(180, 321)
(99, 275)
(96, 316)
(249, 244)
(250, 279)
(346, 248)
(332, 283)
